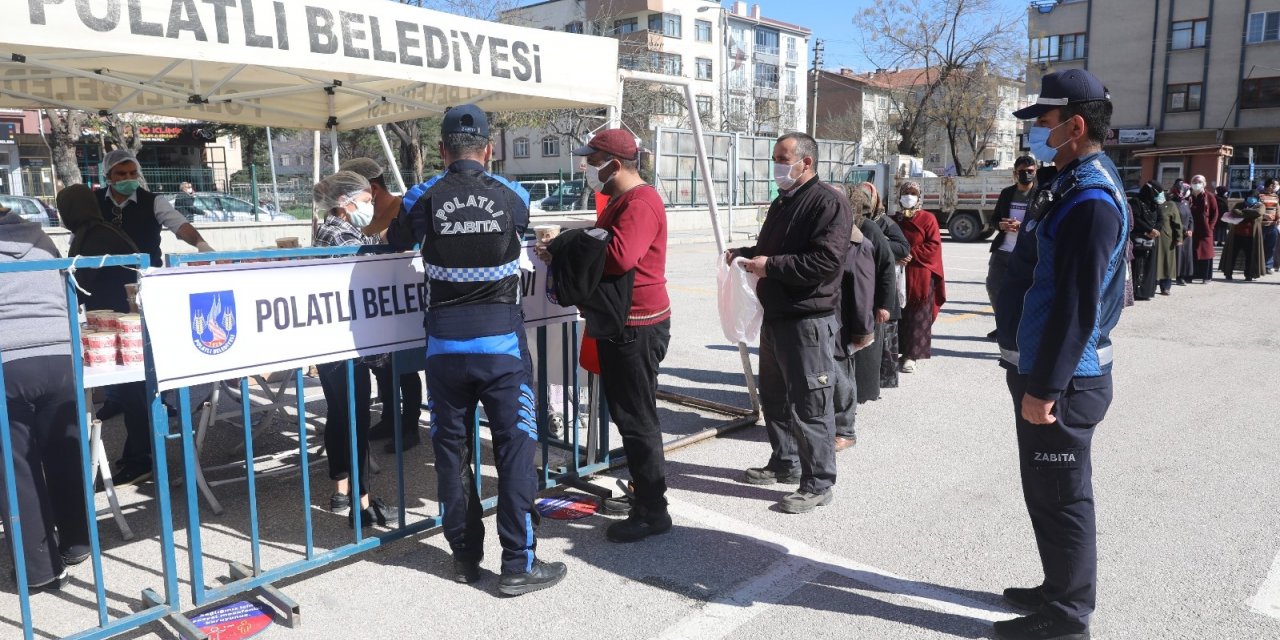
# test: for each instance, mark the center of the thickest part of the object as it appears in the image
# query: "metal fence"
(741, 166)
(563, 397)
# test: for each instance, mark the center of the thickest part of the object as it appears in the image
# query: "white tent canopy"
(308, 64)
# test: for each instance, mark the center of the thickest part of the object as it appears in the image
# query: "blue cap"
(466, 118)
(1061, 88)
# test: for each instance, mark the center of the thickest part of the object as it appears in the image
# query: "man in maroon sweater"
(637, 223)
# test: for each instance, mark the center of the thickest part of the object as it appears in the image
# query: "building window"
(1189, 34)
(551, 147)
(1263, 27)
(704, 68)
(792, 89)
(625, 26)
(767, 41)
(702, 30)
(1071, 46)
(520, 148)
(1182, 97)
(1260, 93)
(655, 61)
(704, 106)
(669, 104)
(573, 27)
(668, 24)
(766, 75)
(793, 56)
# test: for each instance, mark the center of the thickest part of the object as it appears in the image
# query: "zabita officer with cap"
(1061, 298)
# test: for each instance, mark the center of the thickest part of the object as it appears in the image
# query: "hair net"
(337, 189)
(116, 157)
(367, 167)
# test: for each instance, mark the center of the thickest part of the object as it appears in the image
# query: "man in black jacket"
(1011, 209)
(798, 257)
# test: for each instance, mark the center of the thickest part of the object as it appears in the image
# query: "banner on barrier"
(226, 321)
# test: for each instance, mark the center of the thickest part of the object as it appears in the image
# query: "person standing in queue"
(386, 207)
(140, 214)
(636, 220)
(1061, 299)
(1011, 210)
(471, 226)
(799, 257)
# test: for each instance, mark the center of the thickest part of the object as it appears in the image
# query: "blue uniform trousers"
(494, 371)
(1057, 484)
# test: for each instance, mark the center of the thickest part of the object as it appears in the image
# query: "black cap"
(466, 118)
(1061, 88)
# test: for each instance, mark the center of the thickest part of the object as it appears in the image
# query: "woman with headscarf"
(344, 196)
(1168, 243)
(1180, 193)
(1204, 216)
(926, 283)
(1244, 248)
(1146, 233)
(868, 214)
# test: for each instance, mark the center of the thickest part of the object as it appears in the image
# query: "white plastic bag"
(740, 310)
(902, 286)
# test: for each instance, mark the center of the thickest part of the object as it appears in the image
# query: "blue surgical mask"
(1038, 141)
(1159, 198)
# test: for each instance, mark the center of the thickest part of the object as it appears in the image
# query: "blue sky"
(832, 21)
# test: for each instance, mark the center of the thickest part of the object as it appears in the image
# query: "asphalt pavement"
(927, 526)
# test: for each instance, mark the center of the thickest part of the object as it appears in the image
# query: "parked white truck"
(965, 205)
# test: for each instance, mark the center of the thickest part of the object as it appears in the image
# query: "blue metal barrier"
(255, 577)
(167, 607)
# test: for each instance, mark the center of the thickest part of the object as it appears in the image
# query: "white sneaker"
(907, 366)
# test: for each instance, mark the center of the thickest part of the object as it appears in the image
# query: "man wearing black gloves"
(799, 256)
(1061, 298)
(471, 225)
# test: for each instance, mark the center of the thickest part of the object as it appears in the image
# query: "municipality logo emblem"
(213, 321)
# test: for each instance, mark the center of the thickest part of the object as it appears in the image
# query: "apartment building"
(1195, 83)
(747, 71)
(867, 107)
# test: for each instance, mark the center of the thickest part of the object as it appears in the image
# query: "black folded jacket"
(578, 279)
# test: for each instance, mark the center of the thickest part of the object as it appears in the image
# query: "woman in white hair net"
(343, 196)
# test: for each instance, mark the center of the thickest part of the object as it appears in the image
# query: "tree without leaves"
(940, 39)
(65, 127)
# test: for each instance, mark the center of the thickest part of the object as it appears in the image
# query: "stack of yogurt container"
(112, 338)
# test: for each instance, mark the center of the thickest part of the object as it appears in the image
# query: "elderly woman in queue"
(1147, 223)
(926, 284)
(1180, 194)
(345, 196)
(1169, 242)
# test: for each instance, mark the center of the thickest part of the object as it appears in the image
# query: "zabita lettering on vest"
(453, 227)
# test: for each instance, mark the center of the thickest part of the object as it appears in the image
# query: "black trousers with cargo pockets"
(1057, 484)
(797, 374)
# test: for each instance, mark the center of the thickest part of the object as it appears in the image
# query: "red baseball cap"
(618, 143)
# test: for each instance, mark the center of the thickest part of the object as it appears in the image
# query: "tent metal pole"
(333, 141)
(315, 177)
(391, 158)
(275, 184)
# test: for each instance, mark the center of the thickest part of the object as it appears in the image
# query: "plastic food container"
(129, 323)
(99, 341)
(129, 340)
(130, 357)
(100, 357)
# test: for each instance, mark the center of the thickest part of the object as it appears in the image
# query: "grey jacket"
(33, 305)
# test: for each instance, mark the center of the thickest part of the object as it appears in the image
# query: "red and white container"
(130, 357)
(99, 341)
(129, 340)
(100, 357)
(100, 320)
(129, 323)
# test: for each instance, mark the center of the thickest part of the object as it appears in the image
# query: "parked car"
(217, 207)
(31, 209)
(567, 197)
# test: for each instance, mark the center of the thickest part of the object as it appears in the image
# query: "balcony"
(642, 39)
(767, 56)
(793, 58)
(739, 85)
(766, 92)
(791, 93)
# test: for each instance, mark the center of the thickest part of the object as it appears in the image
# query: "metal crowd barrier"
(584, 458)
(166, 607)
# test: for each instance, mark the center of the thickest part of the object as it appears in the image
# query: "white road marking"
(1267, 602)
(802, 564)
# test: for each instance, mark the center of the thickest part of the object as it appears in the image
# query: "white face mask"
(592, 174)
(363, 214)
(1197, 187)
(909, 201)
(782, 174)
